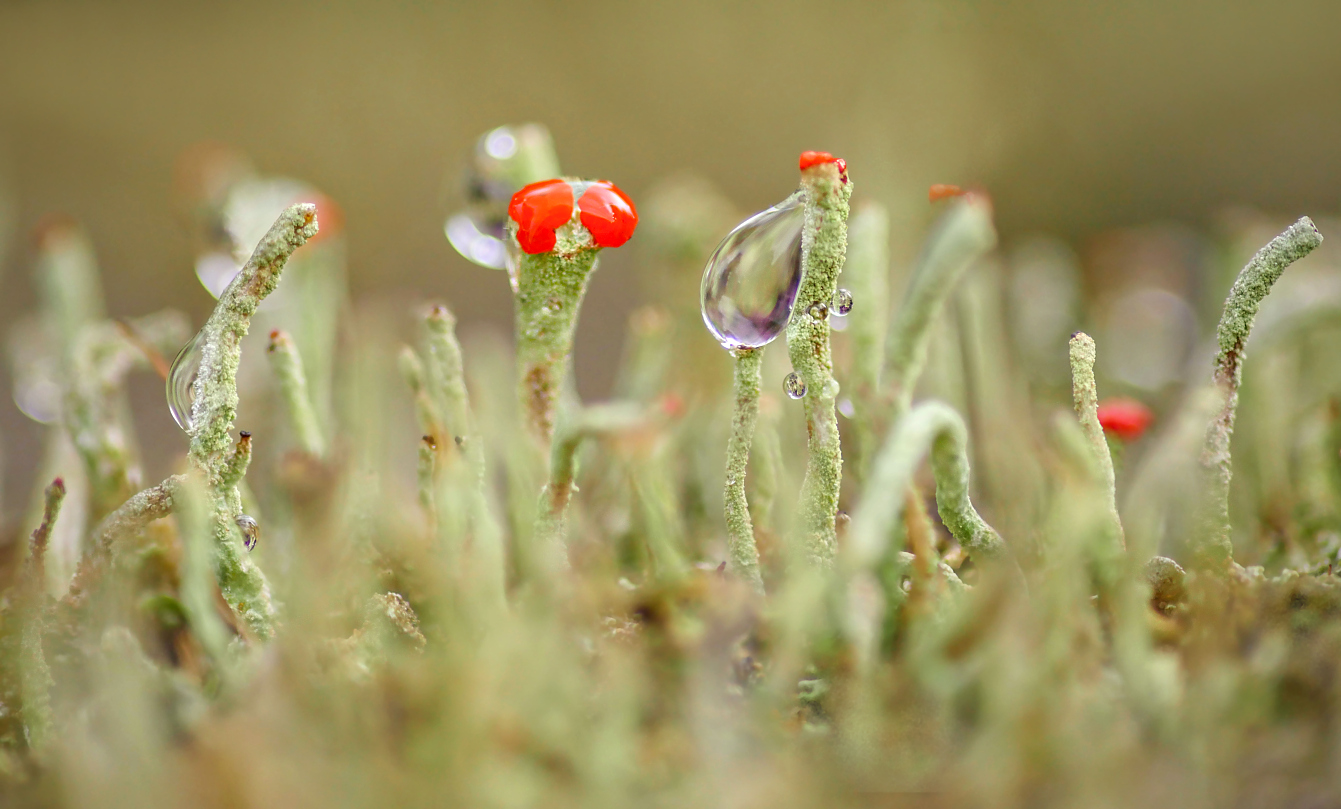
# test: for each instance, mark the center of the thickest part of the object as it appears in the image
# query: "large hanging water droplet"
(842, 302)
(749, 285)
(181, 382)
(794, 385)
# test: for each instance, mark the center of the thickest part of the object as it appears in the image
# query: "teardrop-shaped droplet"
(842, 302)
(794, 385)
(251, 530)
(181, 382)
(505, 159)
(478, 239)
(818, 312)
(749, 285)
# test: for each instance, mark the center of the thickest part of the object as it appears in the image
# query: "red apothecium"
(1126, 419)
(608, 213)
(809, 159)
(541, 208)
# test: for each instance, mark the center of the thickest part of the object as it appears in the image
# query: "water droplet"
(842, 302)
(495, 171)
(216, 271)
(749, 285)
(818, 312)
(794, 386)
(831, 388)
(846, 408)
(36, 371)
(251, 531)
(181, 382)
(478, 239)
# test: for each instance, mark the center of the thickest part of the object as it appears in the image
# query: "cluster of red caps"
(541, 208)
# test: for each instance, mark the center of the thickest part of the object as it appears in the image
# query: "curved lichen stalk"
(1214, 548)
(930, 428)
(823, 249)
(215, 407)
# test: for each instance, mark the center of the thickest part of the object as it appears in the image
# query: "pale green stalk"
(823, 248)
(293, 391)
(427, 471)
(448, 378)
(1085, 393)
(1214, 548)
(742, 555)
(587, 422)
(425, 411)
(930, 428)
(215, 407)
(549, 291)
(35, 681)
(964, 235)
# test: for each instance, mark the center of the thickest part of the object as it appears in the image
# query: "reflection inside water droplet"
(181, 382)
(818, 312)
(749, 285)
(842, 302)
(793, 385)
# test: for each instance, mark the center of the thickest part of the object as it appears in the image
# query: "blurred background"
(1112, 138)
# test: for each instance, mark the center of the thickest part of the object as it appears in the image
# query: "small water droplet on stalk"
(842, 302)
(794, 386)
(251, 530)
(750, 282)
(181, 382)
(818, 312)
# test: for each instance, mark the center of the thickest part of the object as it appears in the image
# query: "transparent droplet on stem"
(794, 385)
(749, 285)
(181, 382)
(36, 371)
(505, 159)
(477, 239)
(842, 302)
(818, 312)
(251, 530)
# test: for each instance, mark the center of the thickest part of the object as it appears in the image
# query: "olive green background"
(1077, 116)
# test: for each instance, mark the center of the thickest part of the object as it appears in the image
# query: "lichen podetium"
(742, 553)
(214, 409)
(823, 249)
(1214, 548)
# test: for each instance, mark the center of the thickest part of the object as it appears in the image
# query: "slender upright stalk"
(35, 679)
(550, 287)
(288, 366)
(1086, 396)
(823, 248)
(1214, 548)
(867, 274)
(742, 555)
(964, 235)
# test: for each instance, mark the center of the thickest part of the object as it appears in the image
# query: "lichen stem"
(964, 235)
(35, 679)
(867, 274)
(293, 390)
(1085, 394)
(1213, 546)
(215, 407)
(549, 292)
(742, 555)
(823, 249)
(930, 428)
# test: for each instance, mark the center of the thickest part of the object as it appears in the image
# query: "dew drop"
(794, 386)
(181, 382)
(818, 312)
(749, 285)
(251, 530)
(494, 172)
(842, 302)
(846, 408)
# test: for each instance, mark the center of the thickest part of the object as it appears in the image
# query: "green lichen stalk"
(35, 679)
(965, 234)
(215, 407)
(823, 249)
(930, 428)
(742, 555)
(867, 277)
(1085, 393)
(293, 390)
(1214, 549)
(549, 292)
